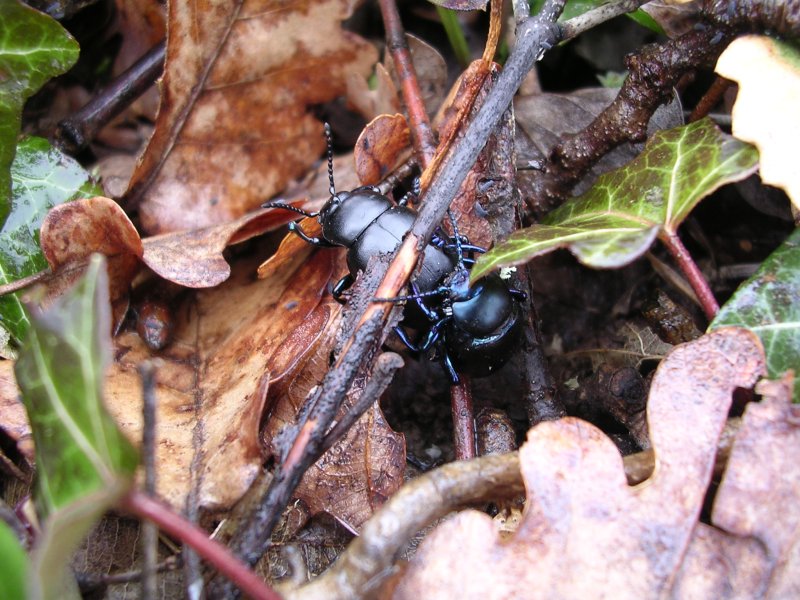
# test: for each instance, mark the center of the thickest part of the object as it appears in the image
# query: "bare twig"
(78, 130)
(417, 504)
(463, 419)
(149, 540)
(601, 14)
(421, 132)
(385, 367)
(653, 72)
(710, 99)
(21, 284)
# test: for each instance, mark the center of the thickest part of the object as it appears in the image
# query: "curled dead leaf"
(73, 231)
(194, 258)
(380, 147)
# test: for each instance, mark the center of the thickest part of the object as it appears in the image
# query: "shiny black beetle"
(474, 328)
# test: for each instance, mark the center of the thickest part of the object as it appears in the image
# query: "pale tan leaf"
(766, 110)
(586, 533)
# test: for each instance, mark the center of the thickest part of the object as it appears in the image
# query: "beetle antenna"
(285, 206)
(436, 292)
(329, 139)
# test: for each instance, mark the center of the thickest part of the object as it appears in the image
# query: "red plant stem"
(463, 419)
(692, 272)
(421, 132)
(187, 532)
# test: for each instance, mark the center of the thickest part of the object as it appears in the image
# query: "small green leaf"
(42, 177)
(617, 220)
(33, 49)
(14, 566)
(83, 462)
(60, 373)
(769, 304)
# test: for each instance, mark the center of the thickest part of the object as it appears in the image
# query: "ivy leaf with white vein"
(83, 462)
(769, 304)
(618, 219)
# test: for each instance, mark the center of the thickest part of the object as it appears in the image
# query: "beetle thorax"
(347, 214)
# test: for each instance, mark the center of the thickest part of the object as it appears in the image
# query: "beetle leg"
(314, 241)
(433, 334)
(518, 295)
(451, 370)
(341, 287)
(401, 333)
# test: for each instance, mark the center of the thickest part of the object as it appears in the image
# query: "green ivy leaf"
(33, 49)
(42, 177)
(618, 219)
(83, 462)
(769, 304)
(13, 567)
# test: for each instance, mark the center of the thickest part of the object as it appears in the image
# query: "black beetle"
(475, 328)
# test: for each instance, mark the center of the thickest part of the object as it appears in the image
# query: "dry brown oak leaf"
(587, 534)
(233, 126)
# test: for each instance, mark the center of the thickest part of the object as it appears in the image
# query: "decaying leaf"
(380, 146)
(72, 232)
(360, 471)
(585, 531)
(233, 127)
(213, 387)
(765, 113)
(379, 96)
(194, 258)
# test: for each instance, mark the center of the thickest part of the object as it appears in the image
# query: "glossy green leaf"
(769, 304)
(33, 49)
(42, 177)
(617, 220)
(13, 567)
(83, 462)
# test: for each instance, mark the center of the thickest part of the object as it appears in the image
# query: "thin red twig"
(187, 532)
(421, 132)
(463, 419)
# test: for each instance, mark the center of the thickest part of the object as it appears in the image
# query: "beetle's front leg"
(314, 241)
(341, 287)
